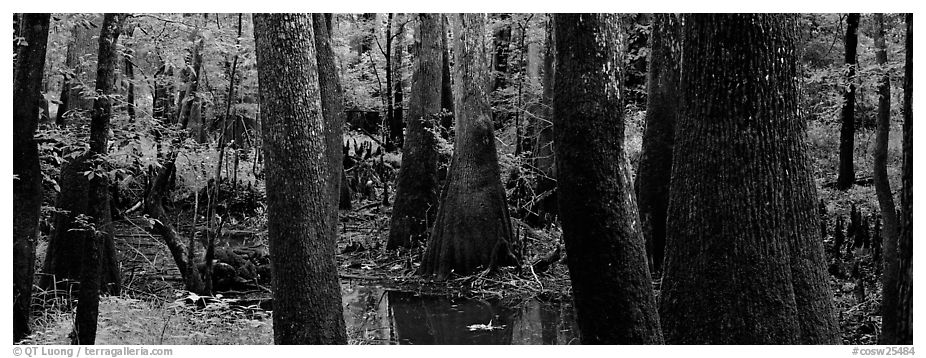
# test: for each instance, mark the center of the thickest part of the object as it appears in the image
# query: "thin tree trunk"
(398, 86)
(472, 229)
(744, 261)
(390, 138)
(847, 135)
(606, 253)
(129, 67)
(306, 292)
(662, 107)
(332, 108)
(416, 185)
(85, 322)
(27, 185)
(889, 233)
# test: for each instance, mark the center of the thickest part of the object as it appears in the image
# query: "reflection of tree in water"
(439, 320)
(376, 315)
(366, 312)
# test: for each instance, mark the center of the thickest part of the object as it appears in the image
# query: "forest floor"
(157, 311)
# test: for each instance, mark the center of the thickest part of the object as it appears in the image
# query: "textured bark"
(306, 292)
(85, 322)
(847, 134)
(744, 263)
(416, 185)
(662, 106)
(605, 251)
(901, 319)
(332, 108)
(63, 258)
(472, 229)
(889, 234)
(27, 187)
(79, 61)
(446, 95)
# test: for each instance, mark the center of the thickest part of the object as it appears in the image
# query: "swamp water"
(377, 315)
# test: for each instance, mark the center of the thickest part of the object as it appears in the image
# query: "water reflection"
(376, 315)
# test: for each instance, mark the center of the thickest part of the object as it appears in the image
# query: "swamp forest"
(423, 178)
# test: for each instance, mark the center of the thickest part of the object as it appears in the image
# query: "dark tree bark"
(472, 229)
(889, 233)
(63, 258)
(898, 324)
(744, 261)
(80, 76)
(398, 85)
(306, 293)
(662, 106)
(605, 252)
(332, 108)
(85, 322)
(416, 185)
(129, 68)
(847, 135)
(27, 186)
(344, 203)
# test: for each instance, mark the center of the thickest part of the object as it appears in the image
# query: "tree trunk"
(63, 258)
(472, 229)
(662, 107)
(416, 185)
(898, 324)
(27, 187)
(883, 190)
(398, 86)
(332, 108)
(446, 95)
(63, 254)
(81, 76)
(306, 292)
(85, 322)
(847, 135)
(129, 67)
(189, 100)
(744, 261)
(605, 252)
(388, 136)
